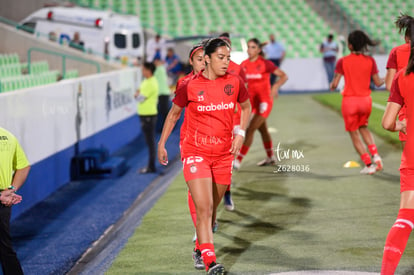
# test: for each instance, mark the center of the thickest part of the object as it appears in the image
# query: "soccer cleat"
(195, 237)
(267, 161)
(369, 170)
(228, 202)
(216, 269)
(236, 164)
(215, 226)
(198, 260)
(378, 161)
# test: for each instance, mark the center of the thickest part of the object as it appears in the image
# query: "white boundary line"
(378, 106)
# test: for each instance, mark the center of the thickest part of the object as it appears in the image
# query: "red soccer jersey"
(357, 70)
(236, 69)
(401, 93)
(398, 57)
(258, 75)
(209, 112)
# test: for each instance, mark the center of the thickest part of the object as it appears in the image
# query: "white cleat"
(378, 162)
(369, 170)
(267, 161)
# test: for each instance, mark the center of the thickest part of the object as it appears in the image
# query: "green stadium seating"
(377, 18)
(245, 18)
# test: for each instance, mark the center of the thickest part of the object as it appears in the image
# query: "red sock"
(366, 159)
(191, 206)
(243, 152)
(269, 148)
(208, 254)
(397, 240)
(197, 245)
(228, 188)
(373, 149)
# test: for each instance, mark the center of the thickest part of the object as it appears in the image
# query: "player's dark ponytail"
(360, 41)
(405, 22)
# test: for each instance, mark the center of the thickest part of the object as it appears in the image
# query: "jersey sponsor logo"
(3, 138)
(229, 89)
(215, 107)
(254, 76)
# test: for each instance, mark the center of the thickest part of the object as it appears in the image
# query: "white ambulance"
(101, 32)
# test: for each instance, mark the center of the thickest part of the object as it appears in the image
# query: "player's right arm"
(172, 117)
(179, 102)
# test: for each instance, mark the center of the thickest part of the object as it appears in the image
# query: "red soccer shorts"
(217, 168)
(356, 111)
(406, 180)
(261, 104)
(401, 116)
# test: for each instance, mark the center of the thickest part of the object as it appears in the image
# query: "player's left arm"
(395, 102)
(282, 78)
(389, 119)
(244, 120)
(389, 77)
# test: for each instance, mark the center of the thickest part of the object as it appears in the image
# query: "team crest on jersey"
(193, 169)
(258, 67)
(229, 89)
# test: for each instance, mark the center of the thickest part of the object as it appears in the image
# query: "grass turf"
(333, 100)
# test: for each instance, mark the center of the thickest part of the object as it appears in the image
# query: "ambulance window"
(135, 40)
(28, 27)
(120, 40)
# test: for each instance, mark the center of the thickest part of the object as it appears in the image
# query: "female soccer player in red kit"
(397, 60)
(258, 71)
(357, 69)
(402, 95)
(196, 60)
(236, 70)
(209, 145)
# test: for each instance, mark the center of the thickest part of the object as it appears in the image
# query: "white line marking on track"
(378, 106)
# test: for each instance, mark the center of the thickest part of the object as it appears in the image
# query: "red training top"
(398, 57)
(210, 106)
(357, 70)
(236, 69)
(401, 93)
(258, 75)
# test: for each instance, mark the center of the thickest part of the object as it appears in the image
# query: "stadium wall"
(52, 121)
